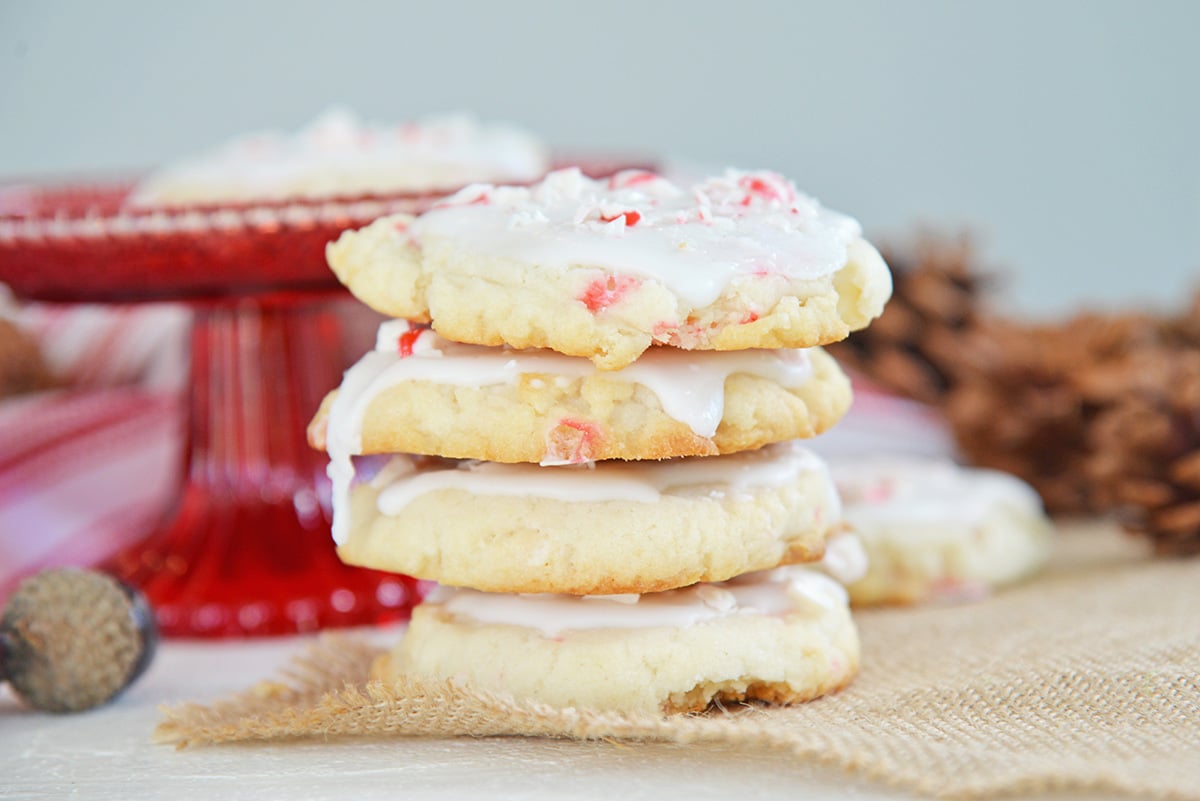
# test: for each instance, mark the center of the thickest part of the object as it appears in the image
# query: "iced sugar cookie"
(418, 393)
(932, 529)
(781, 636)
(605, 268)
(339, 155)
(605, 527)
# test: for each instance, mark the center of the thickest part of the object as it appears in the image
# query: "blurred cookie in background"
(340, 155)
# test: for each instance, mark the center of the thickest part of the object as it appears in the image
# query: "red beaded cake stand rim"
(59, 248)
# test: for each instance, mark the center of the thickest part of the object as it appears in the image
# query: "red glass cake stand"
(246, 550)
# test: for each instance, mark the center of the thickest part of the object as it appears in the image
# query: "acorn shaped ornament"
(72, 639)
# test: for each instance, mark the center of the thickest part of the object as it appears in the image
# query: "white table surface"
(107, 754)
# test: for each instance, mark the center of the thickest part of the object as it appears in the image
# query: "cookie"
(605, 269)
(781, 636)
(418, 393)
(934, 530)
(340, 156)
(608, 527)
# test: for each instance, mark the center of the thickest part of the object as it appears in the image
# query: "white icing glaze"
(639, 482)
(876, 491)
(689, 385)
(338, 153)
(784, 590)
(845, 558)
(636, 223)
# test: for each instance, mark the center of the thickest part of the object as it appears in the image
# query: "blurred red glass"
(246, 550)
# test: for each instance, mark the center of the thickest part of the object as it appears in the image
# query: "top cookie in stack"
(664, 341)
(605, 269)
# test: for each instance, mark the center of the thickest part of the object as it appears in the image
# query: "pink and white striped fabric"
(87, 469)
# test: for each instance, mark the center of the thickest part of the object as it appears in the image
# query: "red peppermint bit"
(607, 290)
(571, 442)
(401, 226)
(631, 218)
(628, 178)
(749, 318)
(407, 340)
(663, 330)
(771, 187)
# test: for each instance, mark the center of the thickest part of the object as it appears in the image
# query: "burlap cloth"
(1087, 678)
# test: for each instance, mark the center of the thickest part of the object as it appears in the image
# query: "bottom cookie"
(781, 636)
(935, 531)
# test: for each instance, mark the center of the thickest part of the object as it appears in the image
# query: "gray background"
(1064, 133)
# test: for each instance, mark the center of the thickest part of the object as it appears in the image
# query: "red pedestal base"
(247, 551)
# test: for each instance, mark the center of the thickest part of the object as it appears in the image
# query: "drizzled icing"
(877, 491)
(784, 590)
(404, 479)
(690, 386)
(845, 558)
(338, 153)
(637, 223)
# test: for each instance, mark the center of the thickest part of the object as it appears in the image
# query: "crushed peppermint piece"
(406, 341)
(630, 178)
(631, 217)
(571, 442)
(607, 290)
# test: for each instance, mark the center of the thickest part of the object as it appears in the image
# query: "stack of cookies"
(582, 425)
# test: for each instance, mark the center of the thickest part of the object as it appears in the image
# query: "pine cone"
(1093, 413)
(1016, 409)
(1184, 330)
(1145, 448)
(913, 347)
